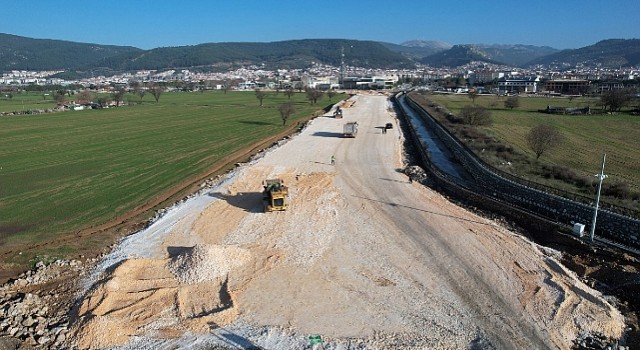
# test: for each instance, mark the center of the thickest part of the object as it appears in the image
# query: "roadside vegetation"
(562, 151)
(67, 171)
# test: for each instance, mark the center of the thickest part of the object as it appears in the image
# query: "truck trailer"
(350, 129)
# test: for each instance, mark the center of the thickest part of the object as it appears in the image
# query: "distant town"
(481, 77)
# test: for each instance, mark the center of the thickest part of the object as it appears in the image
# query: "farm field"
(25, 101)
(586, 136)
(64, 172)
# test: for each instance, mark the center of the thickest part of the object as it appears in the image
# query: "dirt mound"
(205, 263)
(190, 293)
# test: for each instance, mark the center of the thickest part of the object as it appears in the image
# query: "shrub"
(559, 172)
(476, 115)
(586, 181)
(617, 189)
(454, 119)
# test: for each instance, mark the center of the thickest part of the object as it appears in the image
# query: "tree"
(615, 99)
(229, 84)
(289, 92)
(313, 95)
(141, 92)
(286, 110)
(331, 93)
(225, 86)
(511, 102)
(137, 88)
(118, 96)
(85, 96)
(472, 95)
(102, 101)
(180, 85)
(299, 86)
(260, 95)
(59, 98)
(476, 115)
(542, 138)
(156, 90)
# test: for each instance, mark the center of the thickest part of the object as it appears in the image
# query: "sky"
(147, 24)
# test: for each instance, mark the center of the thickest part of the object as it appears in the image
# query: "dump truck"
(350, 129)
(274, 195)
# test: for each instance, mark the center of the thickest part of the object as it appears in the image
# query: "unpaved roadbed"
(362, 257)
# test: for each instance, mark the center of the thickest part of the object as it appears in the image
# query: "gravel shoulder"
(362, 256)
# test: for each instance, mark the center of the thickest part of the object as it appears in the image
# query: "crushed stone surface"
(363, 257)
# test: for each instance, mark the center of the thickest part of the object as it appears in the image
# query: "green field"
(62, 172)
(25, 101)
(587, 136)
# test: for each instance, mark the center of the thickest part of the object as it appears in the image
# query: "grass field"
(61, 172)
(587, 136)
(25, 101)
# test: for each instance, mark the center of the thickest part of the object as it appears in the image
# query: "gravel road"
(362, 257)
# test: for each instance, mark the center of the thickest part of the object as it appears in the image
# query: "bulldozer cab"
(274, 195)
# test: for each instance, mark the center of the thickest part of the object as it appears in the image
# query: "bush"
(559, 172)
(476, 115)
(454, 119)
(618, 190)
(586, 181)
(512, 102)
(471, 133)
(508, 156)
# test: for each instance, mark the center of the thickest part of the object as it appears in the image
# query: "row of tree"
(117, 95)
(540, 138)
(87, 96)
(613, 100)
(288, 108)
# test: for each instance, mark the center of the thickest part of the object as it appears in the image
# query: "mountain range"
(21, 53)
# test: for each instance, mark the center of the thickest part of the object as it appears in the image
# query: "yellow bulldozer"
(275, 195)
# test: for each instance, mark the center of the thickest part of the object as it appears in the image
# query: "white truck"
(350, 129)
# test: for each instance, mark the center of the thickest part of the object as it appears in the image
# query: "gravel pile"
(415, 173)
(204, 263)
(36, 315)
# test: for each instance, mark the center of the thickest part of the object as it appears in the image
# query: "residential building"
(519, 84)
(568, 86)
(484, 76)
(605, 86)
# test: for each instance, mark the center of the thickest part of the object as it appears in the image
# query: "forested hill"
(281, 54)
(458, 55)
(606, 53)
(512, 55)
(20, 53)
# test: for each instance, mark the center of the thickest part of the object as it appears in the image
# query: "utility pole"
(601, 177)
(341, 82)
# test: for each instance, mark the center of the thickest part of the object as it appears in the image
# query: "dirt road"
(363, 258)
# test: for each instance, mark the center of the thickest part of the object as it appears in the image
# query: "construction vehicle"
(274, 195)
(338, 113)
(350, 129)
